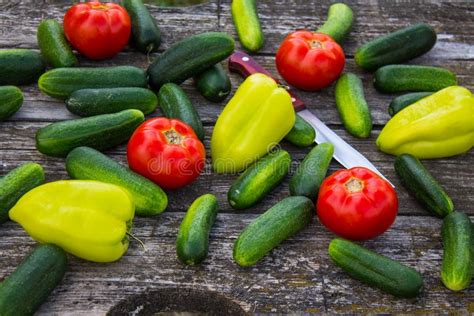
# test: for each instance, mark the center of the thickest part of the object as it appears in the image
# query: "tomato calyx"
(315, 44)
(173, 137)
(99, 7)
(354, 185)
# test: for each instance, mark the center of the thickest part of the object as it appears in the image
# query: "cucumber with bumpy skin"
(401, 102)
(11, 100)
(302, 134)
(20, 66)
(54, 46)
(247, 24)
(339, 22)
(145, 33)
(214, 83)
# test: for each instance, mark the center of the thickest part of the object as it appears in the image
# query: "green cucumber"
(352, 106)
(312, 171)
(247, 24)
(61, 82)
(397, 47)
(16, 183)
(399, 78)
(267, 231)
(423, 186)
(339, 22)
(100, 132)
(54, 46)
(175, 104)
(302, 134)
(213, 83)
(89, 102)
(23, 292)
(192, 243)
(259, 179)
(86, 163)
(457, 268)
(146, 36)
(11, 100)
(20, 66)
(374, 269)
(402, 101)
(189, 57)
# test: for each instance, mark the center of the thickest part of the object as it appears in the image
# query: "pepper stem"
(138, 240)
(354, 185)
(173, 137)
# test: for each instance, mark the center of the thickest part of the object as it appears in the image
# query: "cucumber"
(397, 47)
(352, 107)
(259, 179)
(54, 46)
(16, 183)
(267, 231)
(23, 292)
(146, 36)
(458, 258)
(422, 185)
(20, 66)
(399, 78)
(11, 100)
(374, 269)
(192, 243)
(86, 163)
(175, 104)
(89, 102)
(401, 102)
(302, 134)
(247, 24)
(312, 171)
(61, 82)
(100, 132)
(189, 57)
(213, 83)
(339, 22)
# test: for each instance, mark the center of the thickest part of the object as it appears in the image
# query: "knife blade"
(344, 153)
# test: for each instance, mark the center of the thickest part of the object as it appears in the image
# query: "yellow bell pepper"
(440, 125)
(88, 219)
(256, 119)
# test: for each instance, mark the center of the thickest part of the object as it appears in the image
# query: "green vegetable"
(259, 179)
(20, 66)
(85, 163)
(145, 33)
(374, 269)
(267, 231)
(89, 102)
(54, 46)
(339, 22)
(193, 236)
(302, 134)
(247, 24)
(213, 83)
(401, 102)
(11, 99)
(100, 132)
(422, 185)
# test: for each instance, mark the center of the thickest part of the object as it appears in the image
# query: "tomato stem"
(354, 185)
(315, 44)
(173, 137)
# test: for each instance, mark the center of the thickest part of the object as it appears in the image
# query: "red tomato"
(97, 30)
(357, 204)
(310, 61)
(167, 152)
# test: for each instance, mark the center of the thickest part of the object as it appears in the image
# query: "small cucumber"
(312, 171)
(23, 292)
(302, 134)
(259, 179)
(399, 78)
(146, 35)
(86, 163)
(20, 66)
(422, 185)
(11, 100)
(175, 104)
(100, 132)
(457, 268)
(267, 231)
(339, 22)
(374, 269)
(401, 102)
(54, 46)
(352, 107)
(213, 83)
(61, 82)
(192, 243)
(16, 183)
(89, 102)
(247, 24)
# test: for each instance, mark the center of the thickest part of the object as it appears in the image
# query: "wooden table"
(298, 276)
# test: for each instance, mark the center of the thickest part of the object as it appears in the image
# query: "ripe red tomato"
(357, 204)
(167, 152)
(97, 30)
(310, 61)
